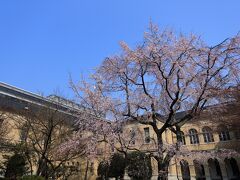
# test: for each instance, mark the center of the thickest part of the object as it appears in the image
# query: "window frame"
(147, 139)
(193, 135)
(223, 133)
(207, 134)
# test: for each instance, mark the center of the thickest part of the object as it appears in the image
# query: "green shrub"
(16, 167)
(34, 177)
(103, 170)
(139, 166)
(117, 166)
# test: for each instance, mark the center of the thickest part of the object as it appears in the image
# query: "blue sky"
(42, 41)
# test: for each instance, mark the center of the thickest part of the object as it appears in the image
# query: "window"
(112, 146)
(147, 135)
(24, 133)
(199, 170)
(207, 134)
(223, 133)
(193, 136)
(214, 169)
(132, 136)
(185, 170)
(232, 168)
(237, 134)
(99, 151)
(182, 137)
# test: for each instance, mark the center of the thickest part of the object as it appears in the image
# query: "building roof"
(19, 99)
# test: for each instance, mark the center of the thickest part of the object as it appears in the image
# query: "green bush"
(103, 170)
(16, 167)
(114, 169)
(117, 166)
(32, 178)
(139, 166)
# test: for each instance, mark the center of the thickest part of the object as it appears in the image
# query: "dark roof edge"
(18, 93)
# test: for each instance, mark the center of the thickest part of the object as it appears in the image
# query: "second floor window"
(193, 134)
(237, 134)
(182, 137)
(112, 147)
(146, 135)
(24, 133)
(207, 135)
(132, 136)
(223, 133)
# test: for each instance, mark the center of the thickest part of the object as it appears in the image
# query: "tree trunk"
(163, 170)
(163, 161)
(86, 171)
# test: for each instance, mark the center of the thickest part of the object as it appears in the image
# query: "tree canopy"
(166, 74)
(139, 166)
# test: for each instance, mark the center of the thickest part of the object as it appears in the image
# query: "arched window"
(181, 137)
(237, 133)
(199, 170)
(214, 168)
(207, 134)
(232, 168)
(193, 134)
(185, 170)
(223, 133)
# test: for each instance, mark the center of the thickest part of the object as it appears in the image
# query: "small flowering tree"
(151, 83)
(43, 131)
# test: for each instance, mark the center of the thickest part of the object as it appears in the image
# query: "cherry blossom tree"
(167, 73)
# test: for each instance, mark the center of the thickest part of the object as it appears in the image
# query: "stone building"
(206, 134)
(210, 132)
(17, 106)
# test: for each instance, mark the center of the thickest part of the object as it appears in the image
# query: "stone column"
(207, 172)
(192, 170)
(223, 169)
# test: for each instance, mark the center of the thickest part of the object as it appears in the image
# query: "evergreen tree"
(139, 166)
(117, 166)
(16, 167)
(103, 170)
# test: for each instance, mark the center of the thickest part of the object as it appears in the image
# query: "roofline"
(20, 90)
(31, 97)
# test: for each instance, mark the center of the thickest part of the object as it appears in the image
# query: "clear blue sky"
(42, 41)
